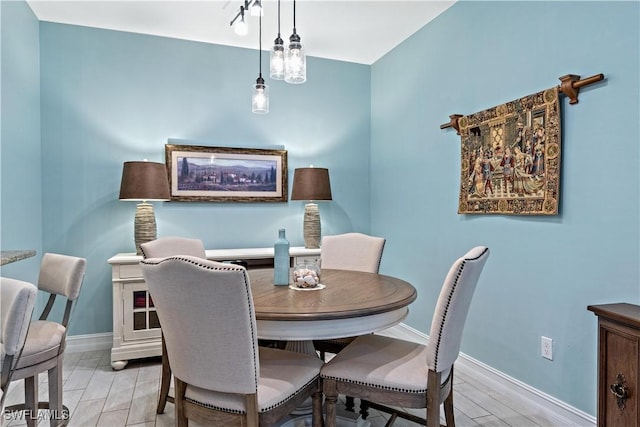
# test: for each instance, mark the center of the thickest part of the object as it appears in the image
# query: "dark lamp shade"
(311, 184)
(144, 181)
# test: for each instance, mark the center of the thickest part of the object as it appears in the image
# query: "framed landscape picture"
(223, 174)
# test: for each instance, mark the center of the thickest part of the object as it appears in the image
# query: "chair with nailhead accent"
(222, 377)
(161, 248)
(348, 251)
(384, 371)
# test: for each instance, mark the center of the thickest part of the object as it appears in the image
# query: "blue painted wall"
(20, 171)
(543, 271)
(110, 97)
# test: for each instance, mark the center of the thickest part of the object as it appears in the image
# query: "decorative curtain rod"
(570, 85)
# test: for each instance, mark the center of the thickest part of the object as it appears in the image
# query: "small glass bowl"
(306, 275)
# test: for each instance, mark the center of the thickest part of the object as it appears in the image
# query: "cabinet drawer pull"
(620, 391)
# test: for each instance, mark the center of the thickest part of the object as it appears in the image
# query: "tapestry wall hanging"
(510, 161)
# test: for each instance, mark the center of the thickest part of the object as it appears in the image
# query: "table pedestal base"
(305, 347)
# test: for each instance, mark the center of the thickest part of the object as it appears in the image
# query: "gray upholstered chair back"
(452, 308)
(61, 275)
(17, 299)
(172, 245)
(208, 321)
(352, 251)
(162, 248)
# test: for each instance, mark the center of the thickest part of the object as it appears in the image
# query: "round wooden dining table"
(348, 303)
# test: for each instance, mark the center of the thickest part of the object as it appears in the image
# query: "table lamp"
(144, 181)
(311, 184)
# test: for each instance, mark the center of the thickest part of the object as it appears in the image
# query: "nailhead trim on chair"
(267, 409)
(446, 310)
(231, 267)
(381, 251)
(403, 390)
(157, 261)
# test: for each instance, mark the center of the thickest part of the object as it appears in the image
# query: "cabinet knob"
(620, 391)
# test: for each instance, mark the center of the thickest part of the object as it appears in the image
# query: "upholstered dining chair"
(222, 377)
(349, 251)
(173, 245)
(352, 251)
(17, 299)
(161, 248)
(384, 371)
(60, 275)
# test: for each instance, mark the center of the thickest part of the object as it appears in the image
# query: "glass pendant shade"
(277, 60)
(240, 26)
(256, 8)
(260, 98)
(295, 62)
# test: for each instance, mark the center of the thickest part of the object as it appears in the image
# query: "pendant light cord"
(260, 44)
(294, 16)
(278, 18)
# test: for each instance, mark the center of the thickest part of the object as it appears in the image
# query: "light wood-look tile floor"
(96, 395)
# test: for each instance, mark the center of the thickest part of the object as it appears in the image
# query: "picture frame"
(223, 174)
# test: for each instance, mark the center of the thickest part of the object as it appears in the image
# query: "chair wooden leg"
(330, 399)
(316, 416)
(433, 398)
(180, 389)
(364, 409)
(448, 411)
(251, 405)
(31, 400)
(392, 420)
(165, 382)
(349, 404)
(55, 394)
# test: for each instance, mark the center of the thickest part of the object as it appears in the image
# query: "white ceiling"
(360, 31)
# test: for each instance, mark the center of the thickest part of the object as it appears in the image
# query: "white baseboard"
(90, 342)
(565, 413)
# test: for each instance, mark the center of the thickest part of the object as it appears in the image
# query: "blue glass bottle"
(281, 260)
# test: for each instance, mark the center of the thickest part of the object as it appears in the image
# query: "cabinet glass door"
(140, 316)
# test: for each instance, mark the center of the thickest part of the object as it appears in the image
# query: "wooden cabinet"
(136, 329)
(618, 364)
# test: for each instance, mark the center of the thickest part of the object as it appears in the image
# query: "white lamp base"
(311, 226)
(144, 225)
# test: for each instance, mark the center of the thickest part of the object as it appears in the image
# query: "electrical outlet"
(546, 348)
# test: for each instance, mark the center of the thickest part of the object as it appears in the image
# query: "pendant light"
(276, 63)
(260, 98)
(256, 8)
(239, 25)
(295, 63)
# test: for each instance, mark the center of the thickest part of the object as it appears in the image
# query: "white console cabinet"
(136, 329)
